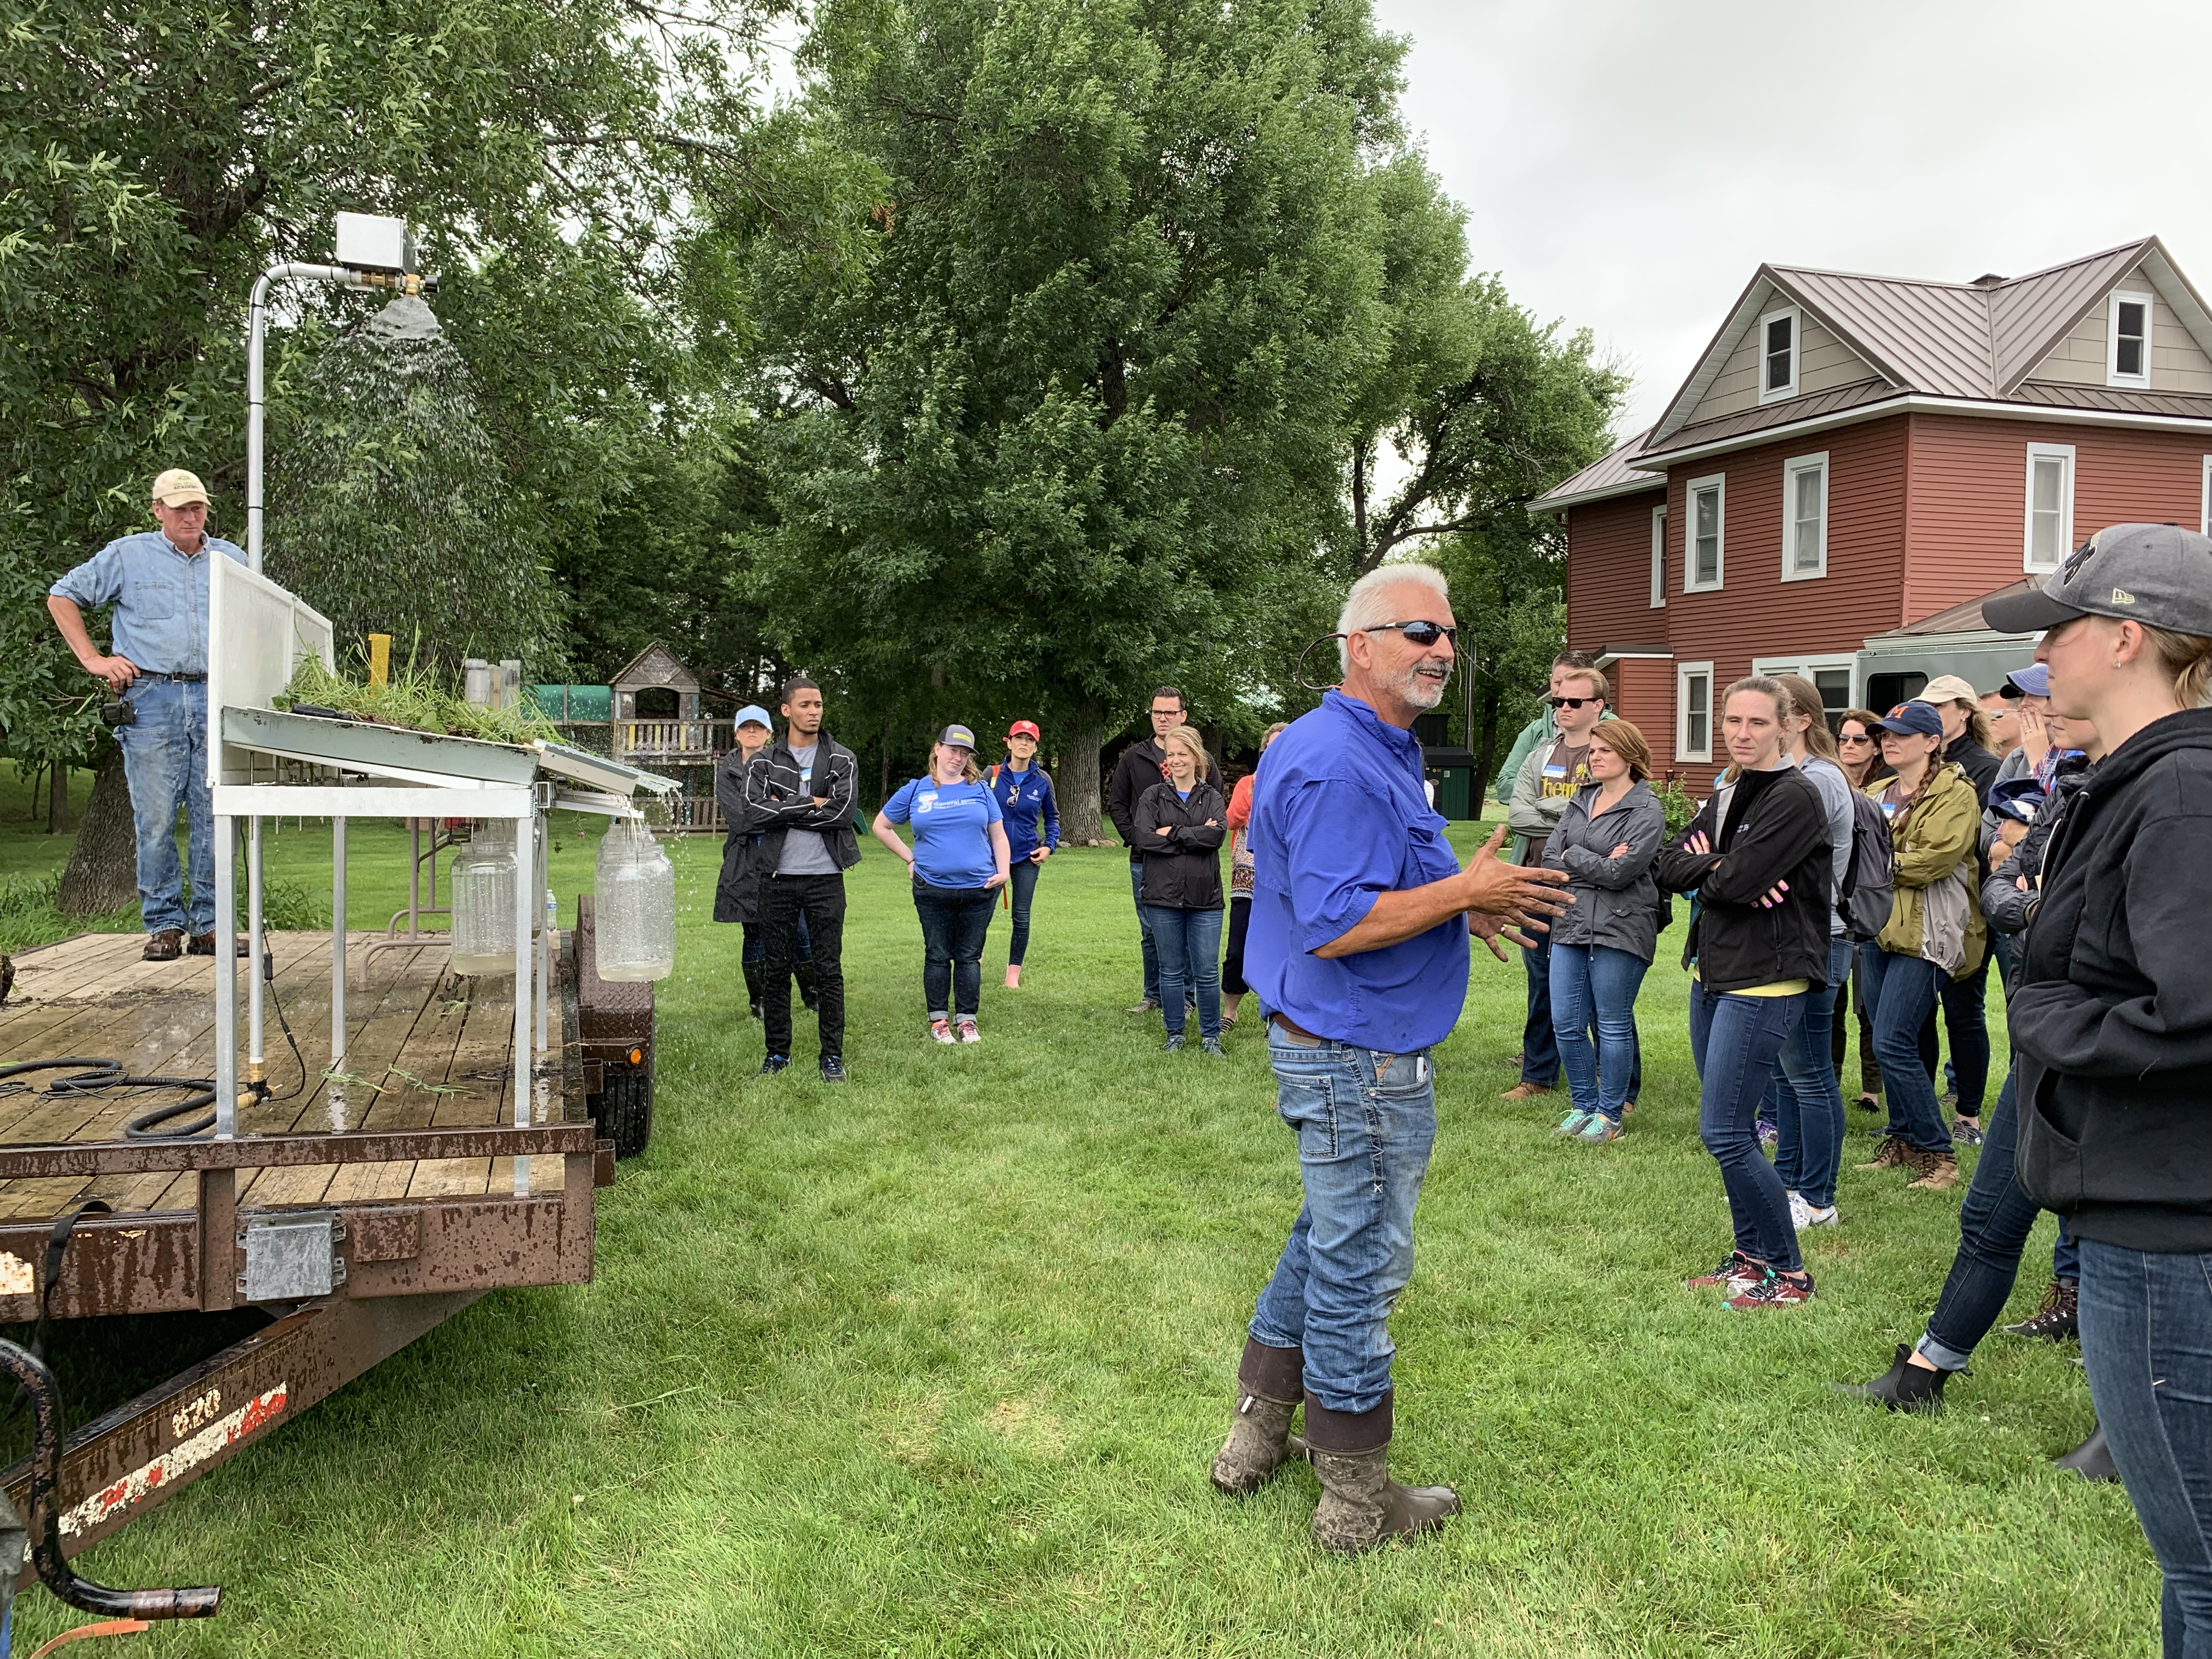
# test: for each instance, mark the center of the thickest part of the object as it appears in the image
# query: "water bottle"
(633, 904)
(483, 890)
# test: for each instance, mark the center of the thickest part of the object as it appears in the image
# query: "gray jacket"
(1531, 812)
(1616, 900)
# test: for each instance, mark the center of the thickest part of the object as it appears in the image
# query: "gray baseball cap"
(2158, 573)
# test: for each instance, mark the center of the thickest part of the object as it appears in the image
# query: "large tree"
(1085, 408)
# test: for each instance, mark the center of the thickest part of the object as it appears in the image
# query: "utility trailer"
(409, 1147)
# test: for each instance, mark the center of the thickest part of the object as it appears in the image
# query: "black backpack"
(1868, 886)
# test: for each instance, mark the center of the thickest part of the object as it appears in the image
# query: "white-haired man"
(1359, 946)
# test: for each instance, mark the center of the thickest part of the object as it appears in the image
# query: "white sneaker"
(940, 1031)
(1804, 1215)
(968, 1032)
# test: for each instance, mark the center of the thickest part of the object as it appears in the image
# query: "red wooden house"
(1857, 461)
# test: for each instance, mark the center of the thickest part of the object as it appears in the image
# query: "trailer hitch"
(44, 1520)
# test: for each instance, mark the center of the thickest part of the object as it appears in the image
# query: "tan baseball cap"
(1947, 687)
(178, 488)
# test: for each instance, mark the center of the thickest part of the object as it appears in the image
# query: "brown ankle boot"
(1361, 1506)
(1938, 1171)
(1270, 1382)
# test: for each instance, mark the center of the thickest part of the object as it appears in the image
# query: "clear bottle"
(633, 904)
(484, 890)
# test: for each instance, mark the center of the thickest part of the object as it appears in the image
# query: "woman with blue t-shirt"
(1024, 795)
(959, 862)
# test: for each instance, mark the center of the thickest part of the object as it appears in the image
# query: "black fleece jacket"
(2112, 1019)
(1141, 766)
(1782, 836)
(1182, 868)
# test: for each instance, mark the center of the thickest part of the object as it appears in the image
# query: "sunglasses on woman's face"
(1422, 633)
(1573, 702)
(1856, 737)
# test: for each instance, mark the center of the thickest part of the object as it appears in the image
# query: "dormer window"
(1778, 356)
(2128, 358)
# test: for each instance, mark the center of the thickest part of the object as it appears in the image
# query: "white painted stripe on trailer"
(179, 1460)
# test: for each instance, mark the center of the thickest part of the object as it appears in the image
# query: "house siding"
(1824, 362)
(1609, 574)
(1968, 496)
(2177, 363)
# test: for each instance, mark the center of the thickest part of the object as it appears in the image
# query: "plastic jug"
(633, 904)
(482, 885)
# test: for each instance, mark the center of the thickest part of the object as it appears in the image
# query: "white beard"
(1422, 691)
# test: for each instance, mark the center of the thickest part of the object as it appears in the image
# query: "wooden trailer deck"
(424, 1049)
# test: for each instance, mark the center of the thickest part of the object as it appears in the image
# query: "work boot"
(808, 986)
(202, 944)
(1521, 1091)
(166, 946)
(1361, 1506)
(753, 977)
(1892, 1154)
(1904, 1386)
(2058, 1319)
(2091, 1460)
(1938, 1171)
(1270, 1383)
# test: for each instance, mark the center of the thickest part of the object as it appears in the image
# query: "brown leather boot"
(1270, 1382)
(1938, 1171)
(166, 946)
(1361, 1506)
(1891, 1154)
(1521, 1091)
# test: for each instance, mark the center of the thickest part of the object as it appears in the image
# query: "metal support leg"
(337, 942)
(225, 979)
(255, 1073)
(544, 924)
(525, 878)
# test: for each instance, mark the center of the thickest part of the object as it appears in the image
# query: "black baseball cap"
(2156, 573)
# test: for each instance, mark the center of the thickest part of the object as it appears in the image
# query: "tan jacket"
(1936, 914)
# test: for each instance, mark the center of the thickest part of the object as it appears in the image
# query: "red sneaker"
(1774, 1291)
(1732, 1275)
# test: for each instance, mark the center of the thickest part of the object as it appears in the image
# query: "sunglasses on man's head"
(1572, 703)
(1422, 633)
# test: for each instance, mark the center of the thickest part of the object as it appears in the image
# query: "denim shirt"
(1338, 815)
(159, 598)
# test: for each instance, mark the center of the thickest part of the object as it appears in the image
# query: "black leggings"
(1232, 971)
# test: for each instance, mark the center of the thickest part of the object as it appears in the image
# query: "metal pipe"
(254, 1076)
(257, 328)
(544, 924)
(337, 941)
(226, 977)
(44, 1518)
(525, 867)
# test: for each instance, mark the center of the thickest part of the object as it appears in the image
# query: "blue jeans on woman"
(1806, 1100)
(1021, 879)
(1595, 982)
(1189, 942)
(1903, 991)
(1966, 1021)
(2147, 1344)
(1994, 1223)
(165, 762)
(955, 921)
(1735, 1040)
(1365, 1122)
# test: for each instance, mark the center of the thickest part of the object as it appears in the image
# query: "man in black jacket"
(1141, 766)
(799, 799)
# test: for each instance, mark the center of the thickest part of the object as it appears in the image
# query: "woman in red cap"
(1032, 816)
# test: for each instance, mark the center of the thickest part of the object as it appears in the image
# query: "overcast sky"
(1627, 165)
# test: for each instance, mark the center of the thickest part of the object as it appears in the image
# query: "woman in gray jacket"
(1606, 841)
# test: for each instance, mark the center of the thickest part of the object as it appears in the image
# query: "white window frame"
(1716, 482)
(1791, 469)
(1776, 394)
(2062, 452)
(2113, 375)
(1659, 548)
(2205, 516)
(1684, 673)
(1812, 668)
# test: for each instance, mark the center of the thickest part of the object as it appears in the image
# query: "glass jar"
(482, 885)
(633, 904)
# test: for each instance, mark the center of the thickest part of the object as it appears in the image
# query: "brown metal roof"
(2032, 313)
(1782, 414)
(1610, 476)
(1965, 618)
(1927, 337)
(2119, 399)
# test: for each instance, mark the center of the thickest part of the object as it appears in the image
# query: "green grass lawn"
(932, 1364)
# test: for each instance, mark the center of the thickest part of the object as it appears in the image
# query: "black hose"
(98, 1076)
(43, 1513)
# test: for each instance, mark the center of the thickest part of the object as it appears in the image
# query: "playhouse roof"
(655, 666)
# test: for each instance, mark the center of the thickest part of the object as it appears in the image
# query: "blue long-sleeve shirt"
(1032, 814)
(160, 595)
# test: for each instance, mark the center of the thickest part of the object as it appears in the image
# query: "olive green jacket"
(1936, 914)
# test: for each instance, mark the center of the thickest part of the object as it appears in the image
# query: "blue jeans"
(1539, 1047)
(1595, 983)
(1966, 1020)
(1365, 1122)
(1189, 945)
(1736, 1041)
(1994, 1223)
(1022, 877)
(1152, 949)
(165, 759)
(955, 921)
(1807, 1100)
(2147, 1344)
(1903, 991)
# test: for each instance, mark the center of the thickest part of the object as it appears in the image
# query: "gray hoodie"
(1616, 900)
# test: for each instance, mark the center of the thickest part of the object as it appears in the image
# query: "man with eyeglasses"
(1546, 782)
(1357, 947)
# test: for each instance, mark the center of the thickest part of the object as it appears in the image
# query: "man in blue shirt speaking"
(1358, 947)
(157, 583)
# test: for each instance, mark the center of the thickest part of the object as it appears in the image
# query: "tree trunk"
(103, 867)
(1078, 789)
(1485, 749)
(58, 798)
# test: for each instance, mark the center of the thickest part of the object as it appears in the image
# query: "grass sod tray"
(932, 1365)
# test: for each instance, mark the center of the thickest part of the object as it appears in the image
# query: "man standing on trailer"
(156, 583)
(798, 799)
